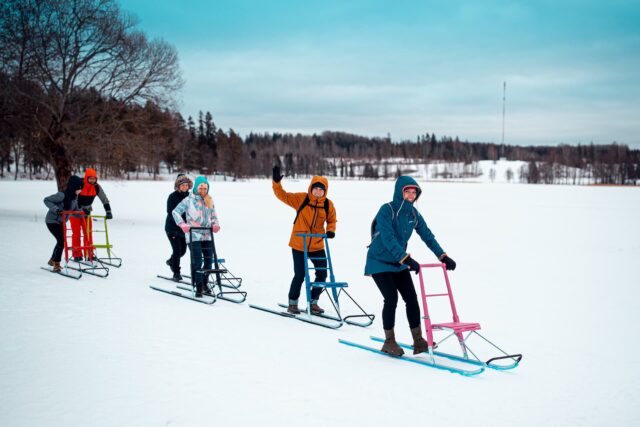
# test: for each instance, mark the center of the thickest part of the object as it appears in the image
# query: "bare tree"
(509, 175)
(68, 47)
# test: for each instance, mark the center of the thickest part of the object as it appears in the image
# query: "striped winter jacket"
(198, 215)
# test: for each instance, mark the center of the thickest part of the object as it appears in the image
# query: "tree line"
(142, 139)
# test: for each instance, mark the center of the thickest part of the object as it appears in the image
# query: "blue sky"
(408, 67)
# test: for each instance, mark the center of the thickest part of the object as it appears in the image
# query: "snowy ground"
(549, 271)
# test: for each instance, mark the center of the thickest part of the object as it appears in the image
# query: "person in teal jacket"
(389, 263)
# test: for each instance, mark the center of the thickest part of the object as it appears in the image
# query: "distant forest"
(144, 139)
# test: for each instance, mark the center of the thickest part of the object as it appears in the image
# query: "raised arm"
(292, 199)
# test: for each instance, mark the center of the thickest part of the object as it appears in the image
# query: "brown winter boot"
(316, 309)
(56, 267)
(293, 309)
(420, 345)
(390, 345)
(50, 262)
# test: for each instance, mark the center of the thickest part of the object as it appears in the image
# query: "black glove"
(86, 211)
(413, 264)
(109, 215)
(330, 234)
(276, 174)
(451, 264)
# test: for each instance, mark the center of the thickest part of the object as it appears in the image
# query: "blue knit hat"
(200, 180)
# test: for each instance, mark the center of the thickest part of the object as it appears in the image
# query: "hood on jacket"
(90, 172)
(200, 180)
(89, 189)
(322, 180)
(401, 183)
(73, 184)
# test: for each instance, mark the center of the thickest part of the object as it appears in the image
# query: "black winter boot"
(205, 289)
(198, 290)
(390, 345)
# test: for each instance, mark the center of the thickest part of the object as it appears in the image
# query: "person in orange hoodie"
(90, 190)
(313, 210)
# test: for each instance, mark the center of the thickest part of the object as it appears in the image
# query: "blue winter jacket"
(395, 223)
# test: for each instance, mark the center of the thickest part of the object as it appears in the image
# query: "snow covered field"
(548, 271)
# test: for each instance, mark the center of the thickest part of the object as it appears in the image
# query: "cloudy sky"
(572, 68)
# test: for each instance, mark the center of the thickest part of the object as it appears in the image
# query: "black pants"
(56, 230)
(179, 247)
(201, 257)
(298, 269)
(390, 283)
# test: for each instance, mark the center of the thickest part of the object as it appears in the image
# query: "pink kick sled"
(463, 331)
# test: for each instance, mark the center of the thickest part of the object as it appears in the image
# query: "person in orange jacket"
(90, 190)
(313, 210)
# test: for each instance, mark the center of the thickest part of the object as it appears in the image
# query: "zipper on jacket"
(313, 223)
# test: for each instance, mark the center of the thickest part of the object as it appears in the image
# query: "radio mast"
(504, 101)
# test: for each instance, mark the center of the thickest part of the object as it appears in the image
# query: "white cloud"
(296, 88)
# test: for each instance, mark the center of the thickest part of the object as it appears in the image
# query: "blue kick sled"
(336, 288)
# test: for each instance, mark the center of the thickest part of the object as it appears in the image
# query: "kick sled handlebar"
(200, 228)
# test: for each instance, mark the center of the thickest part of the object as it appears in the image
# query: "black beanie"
(318, 185)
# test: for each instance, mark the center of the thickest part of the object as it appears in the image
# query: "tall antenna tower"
(504, 101)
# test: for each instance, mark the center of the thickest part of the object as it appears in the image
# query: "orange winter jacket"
(311, 218)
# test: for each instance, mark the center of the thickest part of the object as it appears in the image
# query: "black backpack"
(306, 201)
